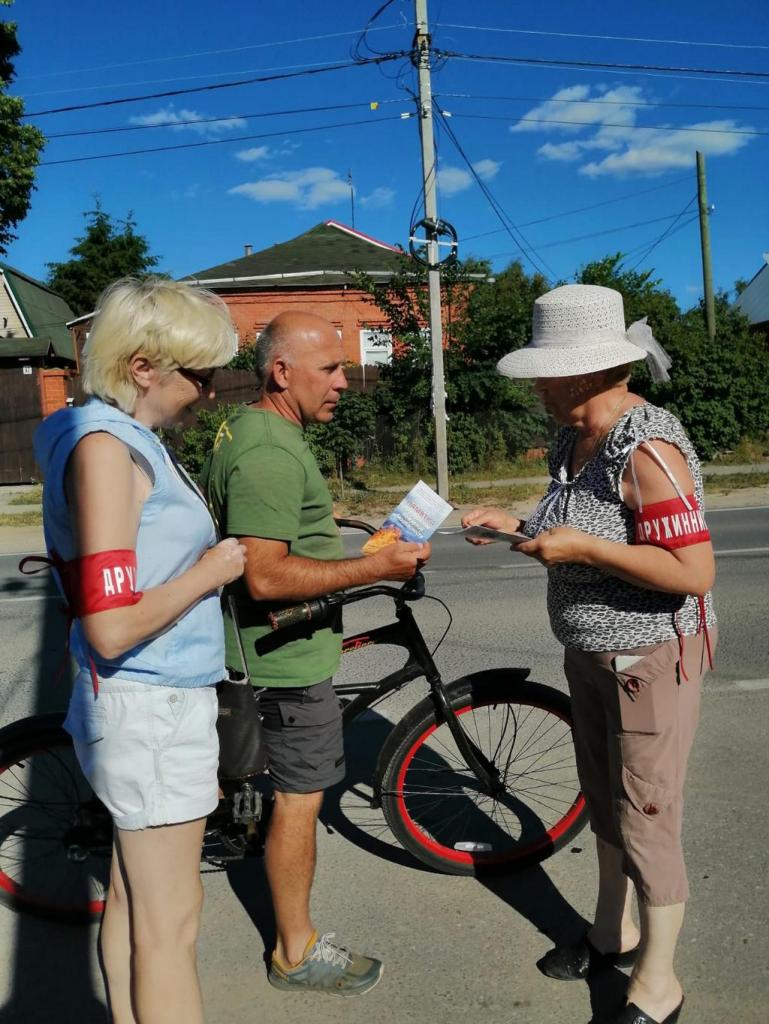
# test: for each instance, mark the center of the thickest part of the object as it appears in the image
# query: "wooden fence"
(24, 396)
(19, 416)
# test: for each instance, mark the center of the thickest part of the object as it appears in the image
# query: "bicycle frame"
(406, 633)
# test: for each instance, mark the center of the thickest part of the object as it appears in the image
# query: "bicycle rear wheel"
(55, 835)
(434, 803)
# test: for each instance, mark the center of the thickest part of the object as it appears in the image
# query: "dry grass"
(32, 518)
(725, 482)
(31, 497)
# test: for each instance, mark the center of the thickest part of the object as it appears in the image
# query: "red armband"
(670, 524)
(102, 581)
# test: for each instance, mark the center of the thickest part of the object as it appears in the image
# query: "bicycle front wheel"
(435, 804)
(55, 835)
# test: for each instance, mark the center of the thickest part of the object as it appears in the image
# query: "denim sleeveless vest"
(174, 530)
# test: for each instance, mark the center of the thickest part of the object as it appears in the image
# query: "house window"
(375, 347)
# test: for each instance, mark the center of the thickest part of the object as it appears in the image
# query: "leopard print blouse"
(589, 609)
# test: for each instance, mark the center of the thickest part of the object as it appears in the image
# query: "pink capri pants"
(633, 730)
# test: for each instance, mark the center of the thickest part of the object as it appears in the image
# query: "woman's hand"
(225, 562)
(558, 545)
(494, 518)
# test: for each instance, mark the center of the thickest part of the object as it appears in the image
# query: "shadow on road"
(50, 967)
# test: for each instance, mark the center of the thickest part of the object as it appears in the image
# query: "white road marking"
(737, 508)
(41, 597)
(740, 551)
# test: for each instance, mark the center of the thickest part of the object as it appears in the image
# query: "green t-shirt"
(262, 480)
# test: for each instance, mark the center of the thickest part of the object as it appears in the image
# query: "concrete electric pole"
(707, 269)
(429, 173)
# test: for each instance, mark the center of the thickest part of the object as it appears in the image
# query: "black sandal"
(575, 963)
(632, 1014)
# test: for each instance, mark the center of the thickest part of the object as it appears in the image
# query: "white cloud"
(576, 104)
(378, 198)
(173, 119)
(307, 189)
(252, 154)
(190, 192)
(452, 180)
(652, 152)
(487, 169)
(610, 133)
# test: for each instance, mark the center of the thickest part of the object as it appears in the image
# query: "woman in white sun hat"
(630, 567)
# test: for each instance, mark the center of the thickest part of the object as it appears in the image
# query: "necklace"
(579, 464)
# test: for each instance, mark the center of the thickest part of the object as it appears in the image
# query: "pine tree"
(107, 251)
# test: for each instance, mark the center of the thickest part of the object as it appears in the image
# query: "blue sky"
(270, 175)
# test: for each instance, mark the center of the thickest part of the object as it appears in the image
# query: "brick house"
(310, 273)
(37, 364)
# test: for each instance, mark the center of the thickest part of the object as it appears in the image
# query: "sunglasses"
(203, 380)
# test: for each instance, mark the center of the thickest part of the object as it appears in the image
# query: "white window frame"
(381, 352)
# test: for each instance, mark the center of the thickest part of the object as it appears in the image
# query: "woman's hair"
(171, 323)
(617, 374)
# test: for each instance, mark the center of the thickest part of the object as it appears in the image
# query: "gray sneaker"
(328, 968)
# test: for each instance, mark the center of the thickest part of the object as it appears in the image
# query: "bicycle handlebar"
(319, 607)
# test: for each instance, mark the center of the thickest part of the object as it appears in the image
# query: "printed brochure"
(416, 518)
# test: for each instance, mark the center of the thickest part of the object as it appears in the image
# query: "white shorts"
(149, 752)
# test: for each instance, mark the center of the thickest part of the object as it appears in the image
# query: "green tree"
(20, 144)
(718, 389)
(349, 435)
(490, 417)
(107, 251)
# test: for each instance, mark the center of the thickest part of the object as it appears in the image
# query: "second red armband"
(671, 524)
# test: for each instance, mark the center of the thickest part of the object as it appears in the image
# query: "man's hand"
(399, 560)
(561, 544)
(494, 518)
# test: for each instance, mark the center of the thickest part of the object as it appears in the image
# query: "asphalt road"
(455, 949)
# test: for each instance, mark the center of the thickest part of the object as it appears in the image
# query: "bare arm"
(273, 574)
(686, 570)
(106, 492)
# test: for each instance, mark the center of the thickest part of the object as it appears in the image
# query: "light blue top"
(174, 530)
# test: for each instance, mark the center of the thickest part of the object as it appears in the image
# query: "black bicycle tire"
(498, 686)
(18, 741)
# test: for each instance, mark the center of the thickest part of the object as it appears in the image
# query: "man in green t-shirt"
(266, 489)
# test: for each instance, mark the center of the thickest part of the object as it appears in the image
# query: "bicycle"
(479, 776)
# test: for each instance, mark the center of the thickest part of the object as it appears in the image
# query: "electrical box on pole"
(421, 58)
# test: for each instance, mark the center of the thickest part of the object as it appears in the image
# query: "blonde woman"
(137, 560)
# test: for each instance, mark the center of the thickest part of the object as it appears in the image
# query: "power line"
(605, 65)
(208, 76)
(513, 231)
(618, 39)
(638, 248)
(590, 99)
(611, 124)
(217, 85)
(215, 120)
(606, 231)
(203, 53)
(583, 209)
(664, 234)
(214, 142)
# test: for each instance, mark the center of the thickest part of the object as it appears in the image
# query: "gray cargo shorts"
(303, 737)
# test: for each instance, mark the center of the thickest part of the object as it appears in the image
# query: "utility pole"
(352, 197)
(707, 269)
(421, 58)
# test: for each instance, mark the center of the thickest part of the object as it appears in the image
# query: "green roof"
(325, 255)
(45, 312)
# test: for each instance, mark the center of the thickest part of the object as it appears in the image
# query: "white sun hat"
(580, 328)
